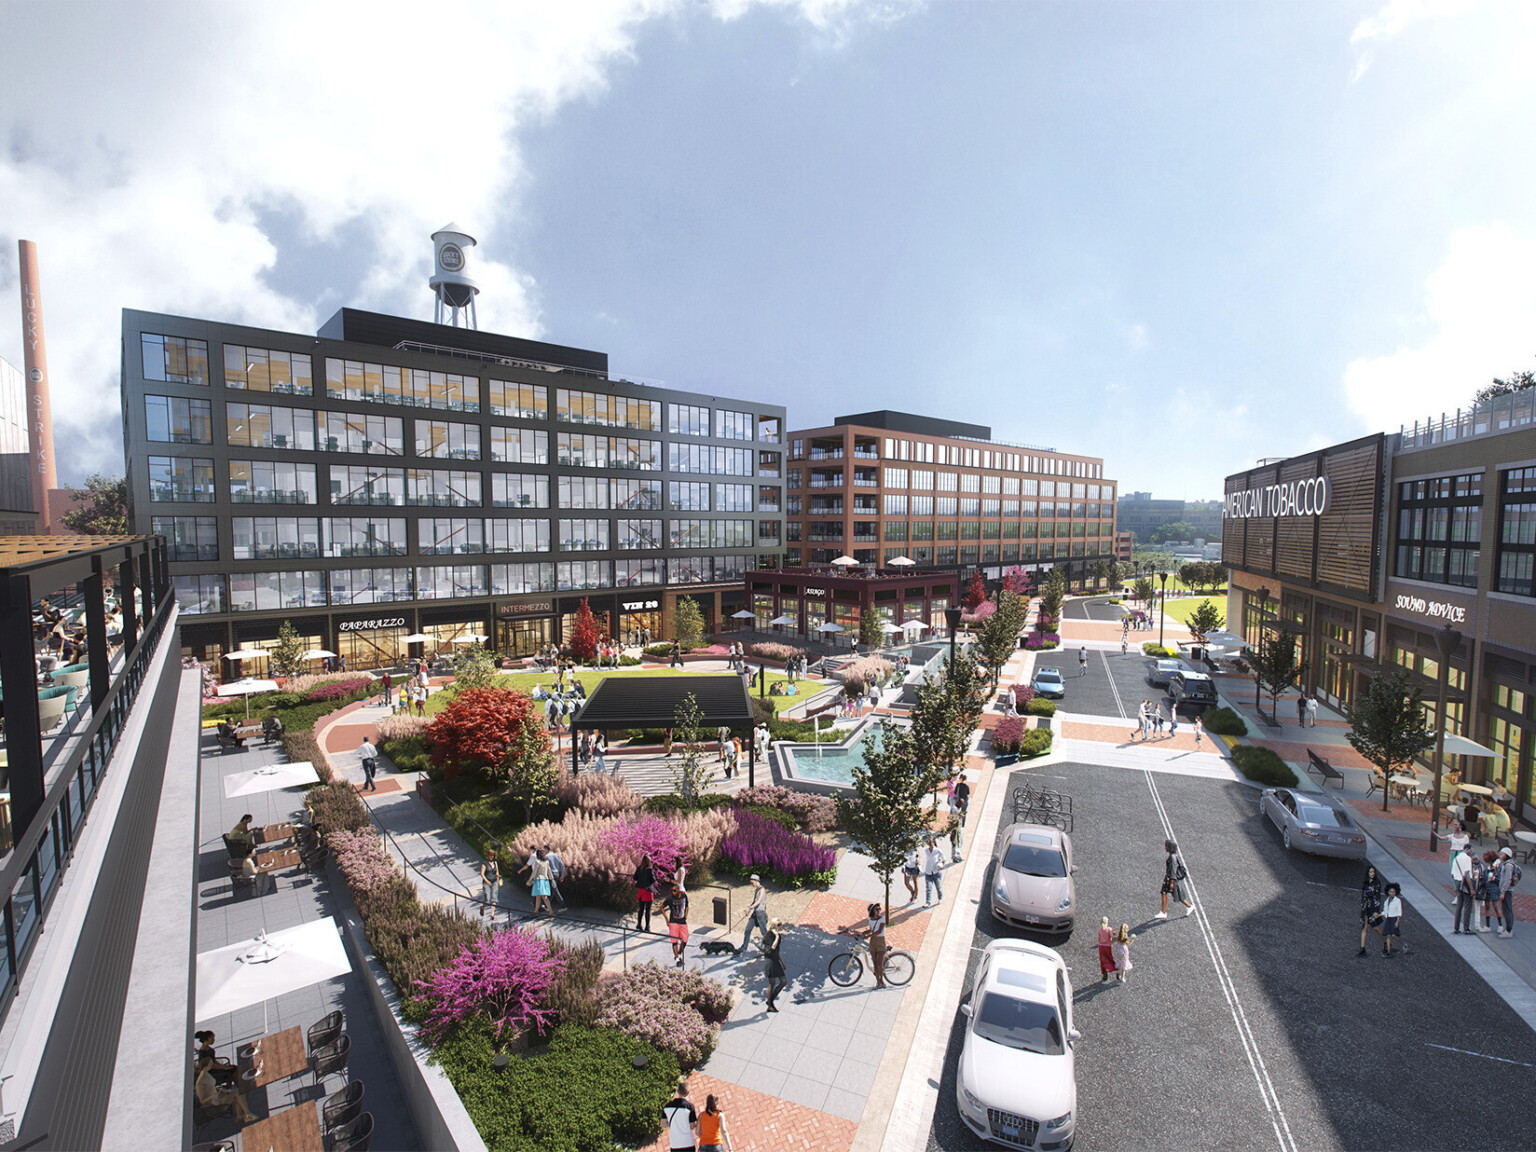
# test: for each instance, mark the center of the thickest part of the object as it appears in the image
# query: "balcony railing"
(1501, 414)
(825, 454)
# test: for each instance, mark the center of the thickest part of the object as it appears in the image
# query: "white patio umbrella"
(888, 628)
(318, 654)
(845, 561)
(779, 620)
(912, 624)
(1225, 641)
(255, 971)
(247, 687)
(743, 615)
(270, 778)
(469, 639)
(246, 654)
(415, 638)
(828, 626)
(901, 562)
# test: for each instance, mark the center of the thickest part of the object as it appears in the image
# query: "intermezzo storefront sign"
(1298, 498)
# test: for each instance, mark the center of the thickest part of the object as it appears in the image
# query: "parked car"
(1048, 682)
(1192, 692)
(1159, 671)
(1032, 885)
(1017, 1081)
(1312, 822)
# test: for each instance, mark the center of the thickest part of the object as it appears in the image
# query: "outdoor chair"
(237, 849)
(354, 1137)
(207, 1114)
(238, 879)
(323, 1032)
(215, 1146)
(331, 1058)
(342, 1107)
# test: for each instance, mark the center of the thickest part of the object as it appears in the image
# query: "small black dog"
(718, 948)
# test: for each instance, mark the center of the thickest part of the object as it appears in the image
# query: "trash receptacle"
(722, 915)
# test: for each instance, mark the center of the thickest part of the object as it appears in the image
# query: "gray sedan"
(1311, 822)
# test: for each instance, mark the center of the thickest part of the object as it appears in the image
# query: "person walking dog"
(1174, 875)
(757, 915)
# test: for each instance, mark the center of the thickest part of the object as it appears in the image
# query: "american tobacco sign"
(1298, 498)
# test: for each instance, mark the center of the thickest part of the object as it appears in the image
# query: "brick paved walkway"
(757, 1122)
(832, 913)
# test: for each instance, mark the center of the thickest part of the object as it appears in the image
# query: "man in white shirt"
(1466, 894)
(682, 1121)
(369, 755)
(933, 867)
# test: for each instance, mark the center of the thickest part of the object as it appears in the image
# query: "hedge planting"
(1157, 651)
(1040, 706)
(1007, 736)
(1223, 722)
(677, 1010)
(813, 813)
(1264, 766)
(1036, 742)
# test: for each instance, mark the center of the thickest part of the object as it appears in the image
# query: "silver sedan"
(1311, 822)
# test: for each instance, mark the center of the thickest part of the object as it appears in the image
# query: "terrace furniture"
(342, 1107)
(1324, 770)
(206, 1114)
(323, 1032)
(282, 1056)
(331, 1058)
(294, 1130)
(355, 1136)
(215, 1146)
(237, 849)
(50, 706)
(238, 879)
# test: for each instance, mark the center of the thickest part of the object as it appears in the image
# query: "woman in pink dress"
(1122, 952)
(1106, 953)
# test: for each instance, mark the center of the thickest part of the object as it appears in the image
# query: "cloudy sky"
(1181, 236)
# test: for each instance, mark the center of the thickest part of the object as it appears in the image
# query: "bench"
(1327, 771)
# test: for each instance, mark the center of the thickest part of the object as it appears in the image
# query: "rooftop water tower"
(454, 290)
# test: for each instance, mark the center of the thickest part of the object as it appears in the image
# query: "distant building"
(1204, 517)
(1139, 514)
(17, 516)
(1124, 544)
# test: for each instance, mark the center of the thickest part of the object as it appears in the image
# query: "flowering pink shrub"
(403, 727)
(774, 651)
(1037, 640)
(815, 813)
(303, 685)
(677, 1011)
(1022, 694)
(711, 650)
(651, 836)
(980, 612)
(504, 975)
(598, 795)
(364, 864)
(761, 844)
(1007, 735)
(336, 689)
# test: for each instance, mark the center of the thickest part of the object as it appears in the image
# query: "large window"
(1439, 529)
(630, 573)
(520, 445)
(180, 479)
(1517, 532)
(517, 579)
(199, 594)
(523, 401)
(688, 533)
(446, 537)
(517, 535)
(271, 482)
(703, 458)
(346, 536)
(268, 370)
(519, 490)
(733, 498)
(445, 440)
(636, 495)
(688, 420)
(270, 591)
(177, 420)
(174, 358)
(450, 582)
(441, 488)
(188, 537)
(269, 426)
(356, 432)
(573, 575)
(583, 535)
(370, 585)
(409, 387)
(734, 425)
(687, 497)
(275, 537)
(582, 492)
(367, 484)
(637, 535)
(577, 407)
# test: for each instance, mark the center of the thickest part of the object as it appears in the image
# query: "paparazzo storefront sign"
(371, 625)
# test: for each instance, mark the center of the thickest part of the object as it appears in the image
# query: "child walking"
(1392, 922)
(1122, 951)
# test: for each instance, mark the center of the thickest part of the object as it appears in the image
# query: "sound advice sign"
(1431, 605)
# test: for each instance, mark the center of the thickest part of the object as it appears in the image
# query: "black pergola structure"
(652, 702)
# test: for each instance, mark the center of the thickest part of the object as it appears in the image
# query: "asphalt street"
(1113, 685)
(1254, 1024)
(1097, 608)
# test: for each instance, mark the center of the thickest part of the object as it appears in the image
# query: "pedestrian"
(1392, 921)
(1464, 881)
(370, 758)
(757, 915)
(962, 798)
(490, 884)
(777, 977)
(1082, 660)
(1157, 720)
(735, 755)
(556, 874)
(666, 742)
(933, 877)
(1509, 876)
(910, 871)
(877, 943)
(1141, 722)
(1106, 952)
(677, 921)
(722, 734)
(538, 878)
(677, 654)
(1488, 892)
(1311, 711)
(956, 834)
(1301, 710)
(389, 683)
(1174, 875)
(712, 1134)
(599, 762)
(1199, 732)
(1458, 839)
(1173, 719)
(1122, 950)
(1123, 645)
(682, 1120)
(1370, 907)
(645, 893)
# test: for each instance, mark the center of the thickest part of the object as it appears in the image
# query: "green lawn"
(592, 677)
(1182, 610)
(479, 816)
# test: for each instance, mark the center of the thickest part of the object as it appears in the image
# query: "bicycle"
(847, 967)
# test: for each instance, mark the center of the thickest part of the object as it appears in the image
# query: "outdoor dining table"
(276, 833)
(1529, 840)
(1409, 786)
(1476, 790)
(282, 1055)
(293, 1130)
(276, 861)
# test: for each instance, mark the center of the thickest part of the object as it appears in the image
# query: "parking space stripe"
(1224, 977)
(1113, 687)
(1481, 1055)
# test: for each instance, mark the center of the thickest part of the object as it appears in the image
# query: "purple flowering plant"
(760, 844)
(661, 840)
(504, 975)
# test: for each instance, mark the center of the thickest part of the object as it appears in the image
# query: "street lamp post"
(952, 618)
(1162, 615)
(1447, 640)
(1263, 623)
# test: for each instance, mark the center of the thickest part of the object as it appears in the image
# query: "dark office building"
(393, 477)
(17, 516)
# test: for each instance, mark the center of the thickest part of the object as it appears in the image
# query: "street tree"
(1143, 590)
(890, 808)
(1000, 634)
(1052, 595)
(1386, 724)
(691, 772)
(870, 634)
(687, 623)
(946, 713)
(585, 634)
(975, 591)
(287, 658)
(473, 668)
(1114, 570)
(1277, 662)
(1205, 619)
(1100, 571)
(104, 511)
(530, 768)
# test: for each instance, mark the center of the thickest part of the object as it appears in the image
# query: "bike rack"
(1033, 805)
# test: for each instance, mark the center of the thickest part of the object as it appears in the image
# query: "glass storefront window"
(524, 637)
(373, 648)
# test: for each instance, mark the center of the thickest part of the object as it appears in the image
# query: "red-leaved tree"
(478, 727)
(975, 591)
(585, 634)
(1017, 580)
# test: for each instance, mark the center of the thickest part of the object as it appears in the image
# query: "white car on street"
(1017, 1081)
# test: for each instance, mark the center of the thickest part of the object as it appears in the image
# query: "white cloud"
(1392, 19)
(1137, 338)
(147, 147)
(1476, 323)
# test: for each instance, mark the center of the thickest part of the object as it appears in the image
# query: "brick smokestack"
(45, 474)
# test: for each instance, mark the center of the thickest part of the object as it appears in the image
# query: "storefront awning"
(1461, 746)
(652, 701)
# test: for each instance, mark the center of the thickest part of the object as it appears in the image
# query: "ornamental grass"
(773, 651)
(814, 813)
(760, 844)
(597, 795)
